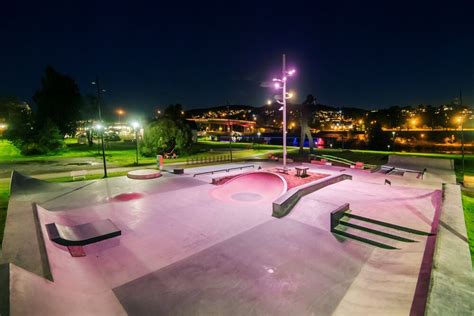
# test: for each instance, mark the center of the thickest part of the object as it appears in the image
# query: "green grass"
(123, 154)
(4, 195)
(468, 204)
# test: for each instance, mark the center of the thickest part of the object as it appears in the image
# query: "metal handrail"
(220, 170)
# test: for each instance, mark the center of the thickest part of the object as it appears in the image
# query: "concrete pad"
(184, 251)
(279, 275)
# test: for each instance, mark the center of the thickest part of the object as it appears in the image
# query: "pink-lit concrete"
(252, 187)
(275, 265)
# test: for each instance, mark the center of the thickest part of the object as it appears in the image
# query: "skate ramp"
(419, 163)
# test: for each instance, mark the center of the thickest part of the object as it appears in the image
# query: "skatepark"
(350, 242)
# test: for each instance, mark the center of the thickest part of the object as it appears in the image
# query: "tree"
(58, 100)
(305, 114)
(19, 119)
(174, 112)
(378, 140)
(165, 135)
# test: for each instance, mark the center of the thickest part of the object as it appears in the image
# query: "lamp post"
(135, 126)
(461, 121)
(120, 113)
(229, 126)
(280, 83)
(100, 128)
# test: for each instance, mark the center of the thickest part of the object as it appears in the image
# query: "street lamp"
(461, 121)
(135, 126)
(120, 113)
(280, 83)
(99, 127)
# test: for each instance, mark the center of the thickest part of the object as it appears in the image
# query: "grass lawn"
(468, 204)
(4, 194)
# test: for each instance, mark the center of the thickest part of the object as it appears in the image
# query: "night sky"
(347, 53)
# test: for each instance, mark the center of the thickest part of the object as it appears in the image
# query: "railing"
(222, 170)
(207, 159)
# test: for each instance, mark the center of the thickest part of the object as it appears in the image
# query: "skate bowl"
(252, 187)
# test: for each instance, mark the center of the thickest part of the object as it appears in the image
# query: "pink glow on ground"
(253, 187)
(166, 227)
(124, 197)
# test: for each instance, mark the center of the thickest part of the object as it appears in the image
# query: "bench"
(82, 234)
(282, 170)
(301, 171)
(178, 171)
(78, 174)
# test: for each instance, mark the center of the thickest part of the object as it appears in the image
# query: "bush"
(48, 139)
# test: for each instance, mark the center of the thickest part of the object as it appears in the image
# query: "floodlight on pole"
(461, 121)
(99, 91)
(135, 126)
(281, 84)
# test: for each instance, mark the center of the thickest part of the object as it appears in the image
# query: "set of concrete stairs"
(370, 231)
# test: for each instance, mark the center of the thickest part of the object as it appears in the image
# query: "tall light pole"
(280, 83)
(99, 126)
(100, 129)
(135, 126)
(229, 123)
(461, 121)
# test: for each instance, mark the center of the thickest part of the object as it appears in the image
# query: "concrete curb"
(452, 279)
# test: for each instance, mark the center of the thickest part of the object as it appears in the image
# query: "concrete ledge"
(144, 174)
(452, 279)
(337, 214)
(285, 203)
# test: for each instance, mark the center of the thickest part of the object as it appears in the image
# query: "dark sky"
(148, 54)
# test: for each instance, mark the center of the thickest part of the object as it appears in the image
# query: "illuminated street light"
(460, 120)
(269, 102)
(99, 91)
(281, 84)
(100, 130)
(135, 126)
(120, 113)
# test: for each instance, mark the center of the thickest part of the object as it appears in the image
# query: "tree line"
(59, 106)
